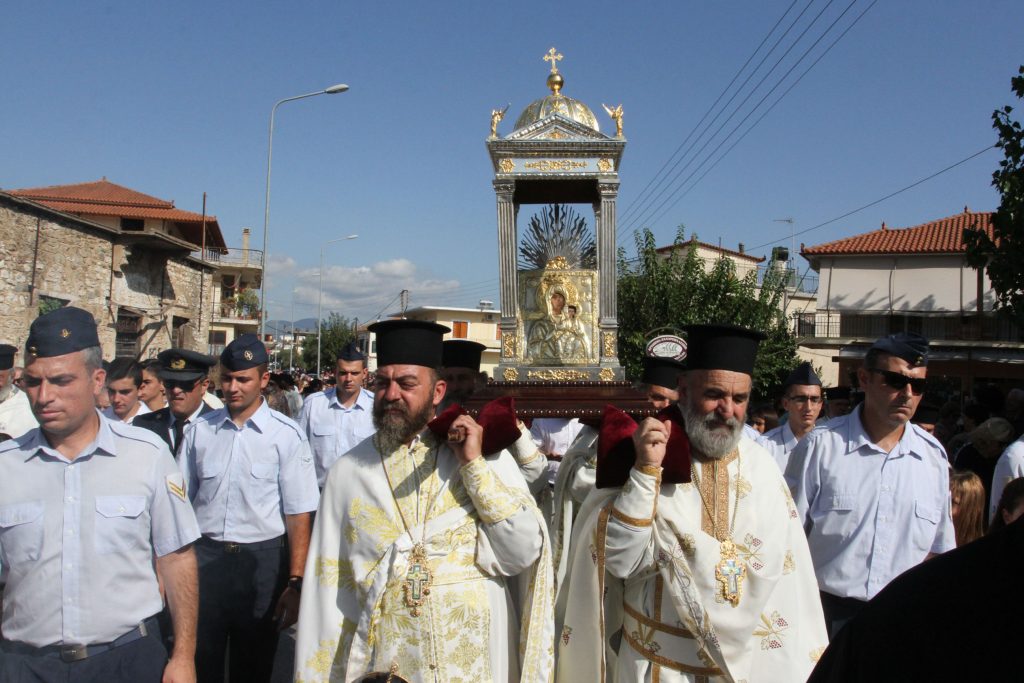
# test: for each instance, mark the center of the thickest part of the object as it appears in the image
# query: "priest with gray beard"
(705, 576)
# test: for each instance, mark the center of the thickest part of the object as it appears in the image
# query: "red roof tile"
(942, 236)
(104, 198)
(713, 247)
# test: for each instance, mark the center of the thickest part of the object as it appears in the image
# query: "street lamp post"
(334, 89)
(320, 298)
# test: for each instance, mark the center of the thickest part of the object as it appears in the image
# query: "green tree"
(659, 293)
(1001, 257)
(336, 331)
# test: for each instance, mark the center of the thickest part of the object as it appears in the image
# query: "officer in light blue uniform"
(337, 419)
(251, 479)
(802, 401)
(871, 488)
(85, 506)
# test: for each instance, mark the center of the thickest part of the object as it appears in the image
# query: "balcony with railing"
(240, 258)
(937, 327)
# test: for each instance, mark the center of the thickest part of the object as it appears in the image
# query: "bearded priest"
(416, 541)
(694, 541)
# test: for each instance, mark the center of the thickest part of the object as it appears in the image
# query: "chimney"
(245, 245)
(742, 250)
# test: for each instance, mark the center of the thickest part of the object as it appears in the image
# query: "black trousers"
(838, 611)
(238, 591)
(140, 661)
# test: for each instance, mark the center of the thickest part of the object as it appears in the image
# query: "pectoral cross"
(553, 57)
(730, 573)
(416, 587)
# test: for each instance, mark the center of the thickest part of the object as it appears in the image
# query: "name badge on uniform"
(176, 485)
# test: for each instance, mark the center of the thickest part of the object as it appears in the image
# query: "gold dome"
(556, 102)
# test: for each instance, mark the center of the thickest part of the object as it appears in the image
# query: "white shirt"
(553, 436)
(869, 515)
(77, 537)
(109, 413)
(1010, 466)
(243, 480)
(333, 429)
(780, 442)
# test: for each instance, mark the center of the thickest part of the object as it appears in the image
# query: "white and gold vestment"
(656, 554)
(478, 528)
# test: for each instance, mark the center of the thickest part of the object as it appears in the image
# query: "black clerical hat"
(662, 372)
(409, 342)
(7, 356)
(244, 352)
(838, 393)
(62, 331)
(350, 352)
(909, 346)
(182, 364)
(462, 353)
(803, 375)
(722, 347)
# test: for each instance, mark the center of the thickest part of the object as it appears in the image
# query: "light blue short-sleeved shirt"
(243, 480)
(77, 537)
(333, 429)
(780, 442)
(869, 515)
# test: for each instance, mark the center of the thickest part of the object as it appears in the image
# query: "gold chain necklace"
(730, 570)
(418, 577)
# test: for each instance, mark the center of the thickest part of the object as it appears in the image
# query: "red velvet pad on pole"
(616, 454)
(498, 419)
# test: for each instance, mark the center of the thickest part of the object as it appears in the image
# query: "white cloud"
(280, 265)
(366, 291)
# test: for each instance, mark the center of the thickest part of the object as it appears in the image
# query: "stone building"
(124, 256)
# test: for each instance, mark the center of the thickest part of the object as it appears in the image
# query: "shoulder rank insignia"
(176, 485)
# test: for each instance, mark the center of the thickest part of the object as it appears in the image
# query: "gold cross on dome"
(553, 57)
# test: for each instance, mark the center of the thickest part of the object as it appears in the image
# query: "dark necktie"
(179, 432)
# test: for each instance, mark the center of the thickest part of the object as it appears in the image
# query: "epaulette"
(285, 420)
(929, 438)
(127, 431)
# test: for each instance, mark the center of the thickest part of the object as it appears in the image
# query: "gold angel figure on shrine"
(616, 116)
(496, 116)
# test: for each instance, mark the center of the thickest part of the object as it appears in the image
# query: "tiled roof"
(942, 236)
(712, 247)
(104, 198)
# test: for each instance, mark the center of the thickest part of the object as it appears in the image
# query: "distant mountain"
(279, 327)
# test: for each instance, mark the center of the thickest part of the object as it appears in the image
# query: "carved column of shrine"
(608, 191)
(509, 280)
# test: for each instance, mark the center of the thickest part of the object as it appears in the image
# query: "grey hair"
(93, 357)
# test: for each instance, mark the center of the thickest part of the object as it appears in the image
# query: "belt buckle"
(232, 547)
(73, 653)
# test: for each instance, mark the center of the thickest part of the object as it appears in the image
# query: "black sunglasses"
(185, 385)
(899, 381)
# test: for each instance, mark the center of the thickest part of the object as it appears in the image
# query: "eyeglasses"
(899, 381)
(185, 385)
(813, 400)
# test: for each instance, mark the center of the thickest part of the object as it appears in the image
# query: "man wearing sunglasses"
(871, 488)
(802, 402)
(184, 375)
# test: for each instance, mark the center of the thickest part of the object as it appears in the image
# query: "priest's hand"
(470, 446)
(650, 441)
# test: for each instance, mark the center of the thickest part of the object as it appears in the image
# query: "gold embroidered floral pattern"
(789, 501)
(771, 631)
(742, 485)
(492, 499)
(788, 564)
(566, 634)
(750, 551)
(816, 653)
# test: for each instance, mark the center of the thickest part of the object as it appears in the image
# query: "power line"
(740, 106)
(882, 199)
(639, 198)
(769, 109)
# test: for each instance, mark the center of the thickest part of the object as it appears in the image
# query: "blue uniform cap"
(803, 375)
(246, 351)
(350, 352)
(7, 356)
(61, 332)
(909, 346)
(182, 364)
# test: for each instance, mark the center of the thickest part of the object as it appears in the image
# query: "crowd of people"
(168, 520)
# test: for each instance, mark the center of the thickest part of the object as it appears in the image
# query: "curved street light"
(333, 90)
(320, 298)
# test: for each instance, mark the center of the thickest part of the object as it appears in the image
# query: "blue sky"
(173, 99)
